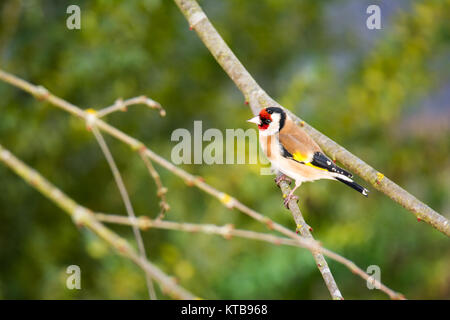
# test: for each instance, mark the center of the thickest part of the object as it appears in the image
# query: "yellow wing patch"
(301, 158)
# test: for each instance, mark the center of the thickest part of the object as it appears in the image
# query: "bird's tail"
(354, 185)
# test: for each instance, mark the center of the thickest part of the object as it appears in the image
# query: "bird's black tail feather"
(355, 186)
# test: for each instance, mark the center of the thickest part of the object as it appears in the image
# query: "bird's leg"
(291, 196)
(282, 177)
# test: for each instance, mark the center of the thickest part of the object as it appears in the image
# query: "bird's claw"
(288, 199)
(282, 178)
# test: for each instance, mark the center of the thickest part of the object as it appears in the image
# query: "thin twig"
(258, 99)
(121, 105)
(126, 200)
(43, 94)
(160, 189)
(227, 231)
(84, 217)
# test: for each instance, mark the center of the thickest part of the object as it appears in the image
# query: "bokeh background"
(383, 94)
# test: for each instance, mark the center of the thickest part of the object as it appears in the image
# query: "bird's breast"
(270, 146)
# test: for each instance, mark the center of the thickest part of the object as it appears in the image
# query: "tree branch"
(84, 217)
(258, 99)
(227, 231)
(304, 230)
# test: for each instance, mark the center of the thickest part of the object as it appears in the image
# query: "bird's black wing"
(322, 161)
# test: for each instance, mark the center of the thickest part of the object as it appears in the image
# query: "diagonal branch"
(85, 218)
(258, 98)
(230, 202)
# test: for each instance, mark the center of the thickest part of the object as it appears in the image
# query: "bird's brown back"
(296, 141)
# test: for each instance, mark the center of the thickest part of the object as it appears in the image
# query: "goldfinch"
(295, 154)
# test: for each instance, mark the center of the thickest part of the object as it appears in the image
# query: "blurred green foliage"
(383, 94)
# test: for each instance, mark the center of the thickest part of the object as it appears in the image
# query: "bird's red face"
(263, 120)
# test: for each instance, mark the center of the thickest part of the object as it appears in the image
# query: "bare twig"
(43, 94)
(126, 200)
(160, 189)
(123, 104)
(227, 231)
(258, 99)
(83, 217)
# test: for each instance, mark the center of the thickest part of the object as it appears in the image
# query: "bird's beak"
(255, 120)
